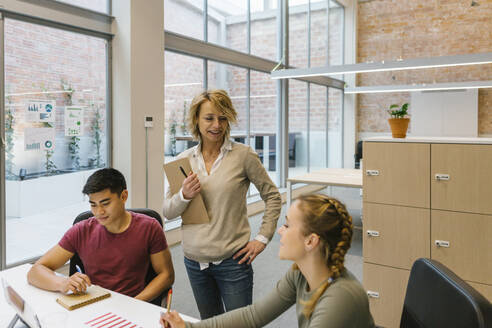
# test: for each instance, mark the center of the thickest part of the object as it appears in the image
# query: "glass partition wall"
(56, 131)
(243, 33)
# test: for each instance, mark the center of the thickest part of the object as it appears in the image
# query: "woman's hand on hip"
(250, 251)
(191, 186)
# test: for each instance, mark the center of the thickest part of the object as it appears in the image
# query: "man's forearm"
(160, 283)
(44, 278)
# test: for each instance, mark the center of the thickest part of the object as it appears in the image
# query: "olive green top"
(344, 304)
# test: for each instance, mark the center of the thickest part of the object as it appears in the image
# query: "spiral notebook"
(93, 294)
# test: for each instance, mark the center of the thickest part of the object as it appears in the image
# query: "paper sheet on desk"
(115, 320)
(110, 319)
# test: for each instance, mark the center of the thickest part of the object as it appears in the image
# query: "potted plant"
(398, 121)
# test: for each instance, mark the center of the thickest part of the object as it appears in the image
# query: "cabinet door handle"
(372, 172)
(373, 233)
(441, 243)
(372, 294)
(443, 177)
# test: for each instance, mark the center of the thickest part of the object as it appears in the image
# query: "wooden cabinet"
(396, 173)
(485, 290)
(386, 288)
(467, 244)
(425, 198)
(388, 227)
(462, 178)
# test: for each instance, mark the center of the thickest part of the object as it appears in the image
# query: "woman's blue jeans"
(228, 285)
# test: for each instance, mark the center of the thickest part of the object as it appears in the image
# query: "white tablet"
(24, 311)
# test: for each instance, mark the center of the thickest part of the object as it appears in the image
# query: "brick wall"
(389, 29)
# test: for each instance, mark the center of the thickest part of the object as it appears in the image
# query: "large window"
(298, 115)
(233, 80)
(263, 115)
(56, 131)
(248, 35)
(227, 24)
(315, 111)
(318, 116)
(183, 81)
(184, 17)
(335, 128)
(298, 35)
(264, 17)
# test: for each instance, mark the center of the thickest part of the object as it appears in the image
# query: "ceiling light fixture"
(416, 63)
(419, 87)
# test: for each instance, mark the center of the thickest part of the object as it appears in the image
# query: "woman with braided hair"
(316, 236)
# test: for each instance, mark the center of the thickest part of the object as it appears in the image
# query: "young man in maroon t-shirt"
(116, 246)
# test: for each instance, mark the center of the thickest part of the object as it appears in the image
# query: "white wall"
(138, 91)
(451, 113)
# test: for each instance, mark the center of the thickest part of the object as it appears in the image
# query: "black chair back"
(358, 154)
(151, 274)
(436, 297)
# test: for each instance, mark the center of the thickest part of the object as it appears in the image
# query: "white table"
(327, 177)
(43, 302)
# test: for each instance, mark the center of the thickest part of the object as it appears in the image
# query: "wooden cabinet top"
(448, 140)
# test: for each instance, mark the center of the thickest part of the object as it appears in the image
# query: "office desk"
(327, 177)
(43, 302)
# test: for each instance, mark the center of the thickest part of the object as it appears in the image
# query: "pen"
(183, 171)
(169, 297)
(37, 320)
(79, 270)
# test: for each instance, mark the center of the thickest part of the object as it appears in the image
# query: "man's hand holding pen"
(191, 186)
(76, 283)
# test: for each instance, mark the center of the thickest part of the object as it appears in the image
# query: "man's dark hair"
(102, 179)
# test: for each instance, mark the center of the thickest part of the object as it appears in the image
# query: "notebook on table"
(93, 294)
(176, 171)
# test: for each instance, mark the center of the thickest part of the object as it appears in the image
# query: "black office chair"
(436, 297)
(151, 274)
(358, 154)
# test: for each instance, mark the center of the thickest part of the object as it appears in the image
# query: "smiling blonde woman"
(218, 255)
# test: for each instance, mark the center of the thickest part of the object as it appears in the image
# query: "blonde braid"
(338, 255)
(334, 259)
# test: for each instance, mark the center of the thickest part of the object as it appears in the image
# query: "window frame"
(64, 17)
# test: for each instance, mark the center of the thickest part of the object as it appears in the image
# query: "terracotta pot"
(399, 127)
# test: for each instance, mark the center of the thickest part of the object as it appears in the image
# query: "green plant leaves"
(398, 112)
